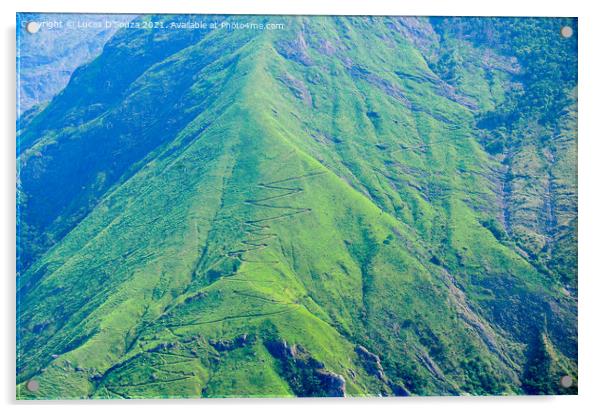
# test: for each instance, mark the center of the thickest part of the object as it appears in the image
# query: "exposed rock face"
(280, 349)
(195, 297)
(227, 345)
(298, 88)
(418, 31)
(372, 365)
(334, 384)
(306, 375)
(371, 362)
(296, 50)
(327, 48)
(383, 84)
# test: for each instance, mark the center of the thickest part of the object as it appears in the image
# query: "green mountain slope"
(298, 212)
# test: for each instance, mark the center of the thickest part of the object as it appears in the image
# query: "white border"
(590, 209)
(355, 7)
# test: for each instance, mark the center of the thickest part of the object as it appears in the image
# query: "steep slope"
(46, 59)
(118, 111)
(303, 212)
(530, 129)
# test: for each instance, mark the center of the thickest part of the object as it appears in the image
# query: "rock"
(398, 389)
(298, 88)
(297, 365)
(96, 377)
(333, 384)
(196, 297)
(296, 50)
(372, 365)
(383, 84)
(418, 31)
(370, 361)
(314, 364)
(280, 349)
(327, 47)
(227, 345)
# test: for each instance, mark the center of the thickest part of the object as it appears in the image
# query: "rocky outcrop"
(297, 87)
(383, 84)
(228, 345)
(418, 31)
(306, 376)
(296, 50)
(334, 384)
(371, 362)
(372, 365)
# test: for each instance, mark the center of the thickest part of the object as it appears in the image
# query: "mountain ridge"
(235, 198)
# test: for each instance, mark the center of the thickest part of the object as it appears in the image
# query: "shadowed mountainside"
(46, 59)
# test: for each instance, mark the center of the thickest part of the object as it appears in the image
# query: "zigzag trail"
(256, 230)
(258, 234)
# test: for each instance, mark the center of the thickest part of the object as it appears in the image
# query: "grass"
(361, 217)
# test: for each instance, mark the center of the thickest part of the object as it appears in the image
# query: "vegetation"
(325, 186)
(527, 130)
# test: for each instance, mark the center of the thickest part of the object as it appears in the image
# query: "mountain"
(46, 59)
(303, 206)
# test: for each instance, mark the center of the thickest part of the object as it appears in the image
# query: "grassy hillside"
(300, 212)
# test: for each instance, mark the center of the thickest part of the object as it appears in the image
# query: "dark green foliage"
(548, 62)
(496, 229)
(527, 129)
